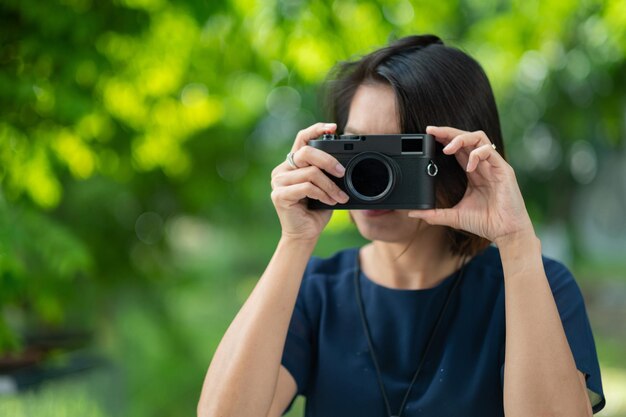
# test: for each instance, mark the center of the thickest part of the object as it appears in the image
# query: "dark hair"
(435, 85)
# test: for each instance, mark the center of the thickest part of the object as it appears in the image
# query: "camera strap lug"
(432, 169)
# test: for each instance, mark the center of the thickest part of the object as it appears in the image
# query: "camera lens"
(370, 176)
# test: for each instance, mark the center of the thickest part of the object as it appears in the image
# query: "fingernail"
(340, 169)
(447, 146)
(344, 196)
(329, 126)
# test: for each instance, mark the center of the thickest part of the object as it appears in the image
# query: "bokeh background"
(137, 139)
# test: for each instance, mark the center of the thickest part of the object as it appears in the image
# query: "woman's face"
(373, 111)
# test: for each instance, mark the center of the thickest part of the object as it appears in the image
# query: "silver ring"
(493, 145)
(290, 161)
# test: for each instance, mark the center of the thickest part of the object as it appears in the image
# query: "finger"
(443, 217)
(466, 140)
(312, 132)
(444, 134)
(314, 175)
(293, 194)
(281, 168)
(309, 155)
(484, 153)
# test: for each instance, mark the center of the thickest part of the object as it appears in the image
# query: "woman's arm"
(242, 376)
(540, 375)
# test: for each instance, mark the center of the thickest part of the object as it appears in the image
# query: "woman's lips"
(375, 213)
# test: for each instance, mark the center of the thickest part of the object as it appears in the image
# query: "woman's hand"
(290, 186)
(492, 206)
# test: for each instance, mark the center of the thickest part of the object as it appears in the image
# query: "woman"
(427, 319)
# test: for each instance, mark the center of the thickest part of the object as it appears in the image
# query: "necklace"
(433, 332)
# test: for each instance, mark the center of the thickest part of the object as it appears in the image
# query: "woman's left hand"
(492, 206)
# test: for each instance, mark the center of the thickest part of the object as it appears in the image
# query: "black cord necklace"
(357, 286)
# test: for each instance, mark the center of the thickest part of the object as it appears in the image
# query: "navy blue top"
(326, 349)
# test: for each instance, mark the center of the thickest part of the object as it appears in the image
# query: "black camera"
(382, 171)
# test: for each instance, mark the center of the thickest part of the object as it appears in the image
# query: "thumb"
(441, 217)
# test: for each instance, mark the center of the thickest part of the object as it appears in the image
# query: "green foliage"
(40, 264)
(137, 138)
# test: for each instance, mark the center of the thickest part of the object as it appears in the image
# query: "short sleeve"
(297, 353)
(571, 305)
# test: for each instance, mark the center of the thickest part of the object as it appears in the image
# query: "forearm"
(242, 376)
(540, 375)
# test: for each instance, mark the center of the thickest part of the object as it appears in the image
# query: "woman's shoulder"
(556, 271)
(324, 279)
(332, 265)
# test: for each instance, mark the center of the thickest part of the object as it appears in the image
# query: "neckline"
(410, 291)
(357, 284)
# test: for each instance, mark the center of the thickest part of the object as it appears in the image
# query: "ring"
(290, 161)
(493, 145)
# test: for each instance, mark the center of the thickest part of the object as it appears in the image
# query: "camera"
(382, 171)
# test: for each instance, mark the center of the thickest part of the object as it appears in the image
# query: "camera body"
(382, 171)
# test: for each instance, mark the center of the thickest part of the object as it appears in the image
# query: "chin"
(392, 226)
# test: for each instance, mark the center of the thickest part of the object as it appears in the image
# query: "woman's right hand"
(290, 186)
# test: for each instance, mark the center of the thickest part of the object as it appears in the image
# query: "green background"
(137, 139)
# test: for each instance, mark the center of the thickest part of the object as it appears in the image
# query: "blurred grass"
(78, 396)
